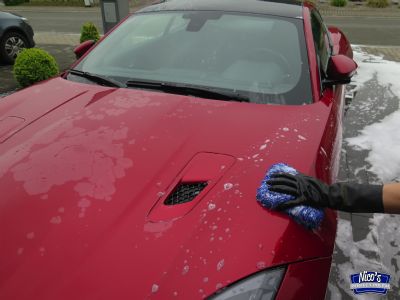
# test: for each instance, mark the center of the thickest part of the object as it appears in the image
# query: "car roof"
(283, 8)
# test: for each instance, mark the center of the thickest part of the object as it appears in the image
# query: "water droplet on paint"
(263, 147)
(55, 220)
(301, 137)
(220, 264)
(228, 186)
(84, 203)
(185, 270)
(261, 265)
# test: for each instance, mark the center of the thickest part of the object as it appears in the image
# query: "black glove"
(310, 191)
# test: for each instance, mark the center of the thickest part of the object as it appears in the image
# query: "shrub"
(89, 32)
(13, 2)
(339, 3)
(34, 65)
(378, 3)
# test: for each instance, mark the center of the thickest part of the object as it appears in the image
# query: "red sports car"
(134, 174)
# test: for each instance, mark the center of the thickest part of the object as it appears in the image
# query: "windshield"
(261, 57)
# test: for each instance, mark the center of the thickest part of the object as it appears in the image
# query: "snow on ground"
(379, 251)
(382, 139)
(370, 65)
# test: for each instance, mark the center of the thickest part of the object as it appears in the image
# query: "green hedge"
(339, 3)
(378, 3)
(34, 65)
(89, 31)
(13, 2)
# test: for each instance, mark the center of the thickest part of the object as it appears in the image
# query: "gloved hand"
(341, 196)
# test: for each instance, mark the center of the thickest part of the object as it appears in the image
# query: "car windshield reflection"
(262, 57)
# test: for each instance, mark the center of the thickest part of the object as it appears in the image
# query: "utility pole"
(112, 12)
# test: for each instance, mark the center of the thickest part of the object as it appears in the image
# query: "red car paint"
(340, 43)
(84, 171)
(304, 280)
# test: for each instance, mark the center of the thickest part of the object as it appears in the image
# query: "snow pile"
(386, 71)
(382, 139)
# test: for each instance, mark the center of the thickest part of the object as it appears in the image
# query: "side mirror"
(340, 70)
(81, 49)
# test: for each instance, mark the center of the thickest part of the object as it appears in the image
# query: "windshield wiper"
(186, 89)
(102, 80)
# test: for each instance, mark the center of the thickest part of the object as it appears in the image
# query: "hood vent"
(185, 192)
(190, 186)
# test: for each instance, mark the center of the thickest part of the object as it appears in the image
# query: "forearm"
(391, 198)
(366, 198)
(357, 198)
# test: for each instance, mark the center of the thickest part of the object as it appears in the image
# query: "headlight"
(261, 286)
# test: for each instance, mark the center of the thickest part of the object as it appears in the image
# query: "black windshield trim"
(188, 89)
(100, 79)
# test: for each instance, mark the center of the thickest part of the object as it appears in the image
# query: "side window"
(321, 41)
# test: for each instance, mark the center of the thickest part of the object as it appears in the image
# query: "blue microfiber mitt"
(308, 216)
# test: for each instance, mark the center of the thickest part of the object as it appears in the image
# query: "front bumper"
(29, 34)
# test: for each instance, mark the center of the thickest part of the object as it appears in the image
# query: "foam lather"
(308, 216)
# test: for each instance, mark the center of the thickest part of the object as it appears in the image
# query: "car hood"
(84, 173)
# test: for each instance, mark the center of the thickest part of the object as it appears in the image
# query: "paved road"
(369, 30)
(68, 21)
(363, 30)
